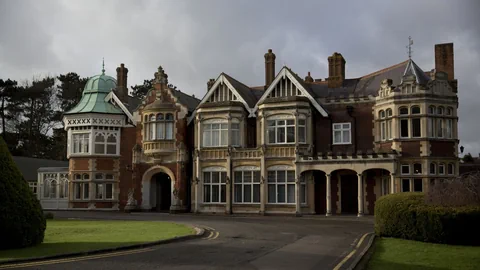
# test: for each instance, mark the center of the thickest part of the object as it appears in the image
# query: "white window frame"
(208, 130)
(235, 134)
(103, 180)
(341, 129)
(222, 182)
(33, 187)
(240, 183)
(277, 184)
(278, 126)
(79, 185)
(441, 169)
(76, 138)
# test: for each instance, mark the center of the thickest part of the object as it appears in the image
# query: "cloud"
(197, 40)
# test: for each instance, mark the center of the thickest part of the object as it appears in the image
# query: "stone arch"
(147, 180)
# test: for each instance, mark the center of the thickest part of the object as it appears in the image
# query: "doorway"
(349, 191)
(163, 192)
(320, 192)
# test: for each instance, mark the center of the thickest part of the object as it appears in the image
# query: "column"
(329, 195)
(263, 186)
(360, 195)
(392, 183)
(228, 206)
(198, 170)
(298, 210)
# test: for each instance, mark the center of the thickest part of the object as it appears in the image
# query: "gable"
(222, 93)
(112, 98)
(286, 84)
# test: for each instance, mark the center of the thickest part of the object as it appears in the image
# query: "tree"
(7, 91)
(468, 158)
(70, 90)
(141, 90)
(22, 222)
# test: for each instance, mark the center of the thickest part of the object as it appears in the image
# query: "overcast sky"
(196, 40)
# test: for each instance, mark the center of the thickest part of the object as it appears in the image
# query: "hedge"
(405, 215)
(22, 222)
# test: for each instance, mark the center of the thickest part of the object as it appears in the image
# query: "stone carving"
(131, 200)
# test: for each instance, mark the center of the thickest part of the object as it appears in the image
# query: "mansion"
(290, 146)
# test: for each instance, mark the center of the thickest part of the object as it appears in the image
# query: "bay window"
(281, 131)
(104, 186)
(215, 133)
(214, 186)
(80, 143)
(302, 131)
(81, 186)
(235, 134)
(247, 186)
(159, 126)
(105, 143)
(342, 133)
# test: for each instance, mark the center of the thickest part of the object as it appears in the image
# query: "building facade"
(290, 146)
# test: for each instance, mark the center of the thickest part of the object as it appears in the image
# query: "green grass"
(67, 236)
(391, 254)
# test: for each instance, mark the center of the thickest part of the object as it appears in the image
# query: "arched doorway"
(158, 184)
(377, 183)
(348, 190)
(161, 190)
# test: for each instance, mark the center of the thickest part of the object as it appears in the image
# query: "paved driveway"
(236, 242)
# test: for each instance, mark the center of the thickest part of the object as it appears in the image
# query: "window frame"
(286, 183)
(441, 171)
(341, 130)
(452, 166)
(74, 142)
(222, 185)
(406, 166)
(434, 168)
(421, 168)
(254, 172)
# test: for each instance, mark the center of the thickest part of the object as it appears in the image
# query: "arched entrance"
(377, 183)
(348, 180)
(158, 184)
(161, 192)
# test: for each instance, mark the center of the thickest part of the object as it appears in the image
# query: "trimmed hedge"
(22, 222)
(405, 215)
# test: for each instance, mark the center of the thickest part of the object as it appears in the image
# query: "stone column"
(228, 206)
(329, 195)
(263, 185)
(298, 210)
(360, 195)
(198, 169)
(392, 183)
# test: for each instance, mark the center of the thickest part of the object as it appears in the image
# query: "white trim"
(341, 130)
(286, 73)
(405, 165)
(112, 95)
(222, 79)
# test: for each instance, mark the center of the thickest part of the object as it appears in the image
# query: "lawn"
(391, 254)
(67, 236)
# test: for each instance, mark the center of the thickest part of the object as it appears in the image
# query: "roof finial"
(410, 43)
(103, 66)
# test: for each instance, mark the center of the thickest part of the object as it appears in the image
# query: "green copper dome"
(100, 83)
(93, 96)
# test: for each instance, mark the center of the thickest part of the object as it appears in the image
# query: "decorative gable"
(285, 88)
(286, 84)
(222, 93)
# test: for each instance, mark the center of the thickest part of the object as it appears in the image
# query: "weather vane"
(410, 43)
(103, 65)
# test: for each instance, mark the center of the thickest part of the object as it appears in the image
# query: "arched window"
(99, 143)
(151, 132)
(433, 168)
(105, 143)
(389, 112)
(169, 126)
(417, 168)
(381, 114)
(403, 111)
(52, 189)
(451, 169)
(440, 110)
(415, 110)
(146, 127)
(160, 126)
(441, 168)
(449, 111)
(431, 110)
(404, 132)
(383, 125)
(214, 185)
(63, 190)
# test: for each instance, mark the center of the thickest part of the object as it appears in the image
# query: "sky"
(197, 40)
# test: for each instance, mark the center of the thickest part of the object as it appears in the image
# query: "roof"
(413, 70)
(93, 96)
(28, 166)
(190, 102)
(133, 103)
(246, 92)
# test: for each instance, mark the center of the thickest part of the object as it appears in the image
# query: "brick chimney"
(336, 70)
(308, 78)
(444, 59)
(122, 89)
(269, 68)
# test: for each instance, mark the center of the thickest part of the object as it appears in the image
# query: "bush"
(22, 222)
(407, 216)
(49, 215)
(460, 191)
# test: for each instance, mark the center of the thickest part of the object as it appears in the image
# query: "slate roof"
(133, 103)
(190, 102)
(246, 92)
(28, 166)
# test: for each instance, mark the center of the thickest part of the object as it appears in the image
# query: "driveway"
(235, 242)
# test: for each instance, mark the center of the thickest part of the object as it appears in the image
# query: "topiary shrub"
(407, 216)
(22, 222)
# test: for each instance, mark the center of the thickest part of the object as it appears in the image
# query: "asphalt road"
(235, 242)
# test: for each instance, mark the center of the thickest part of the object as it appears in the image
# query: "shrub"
(22, 222)
(49, 215)
(407, 216)
(460, 191)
